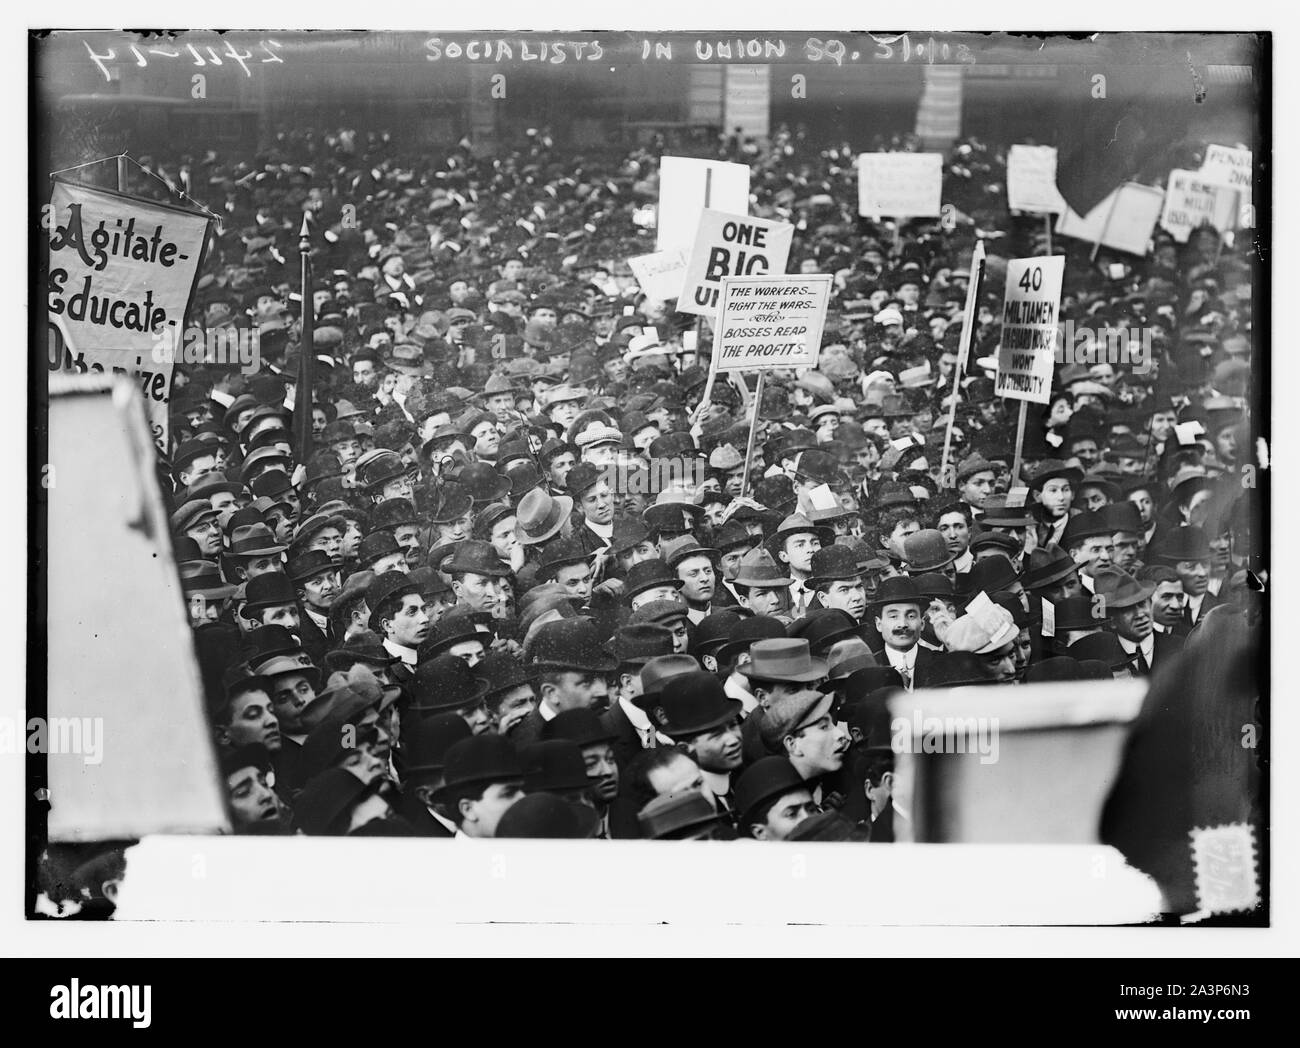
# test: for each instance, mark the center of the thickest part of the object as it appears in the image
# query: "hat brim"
(1071, 473)
(480, 692)
(819, 669)
(729, 713)
(566, 507)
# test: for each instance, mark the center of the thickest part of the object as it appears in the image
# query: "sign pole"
(699, 320)
(1105, 227)
(753, 432)
(307, 359)
(1047, 225)
(1020, 443)
(121, 173)
(967, 337)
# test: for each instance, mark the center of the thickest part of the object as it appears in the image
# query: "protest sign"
(122, 275)
(1029, 332)
(687, 187)
(726, 246)
(1031, 180)
(1123, 221)
(1232, 167)
(770, 322)
(1190, 201)
(659, 274)
(901, 185)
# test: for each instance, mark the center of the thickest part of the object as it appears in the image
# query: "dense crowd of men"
(528, 582)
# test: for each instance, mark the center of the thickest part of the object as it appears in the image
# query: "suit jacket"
(627, 741)
(623, 824)
(424, 824)
(527, 731)
(315, 641)
(924, 663)
(1168, 646)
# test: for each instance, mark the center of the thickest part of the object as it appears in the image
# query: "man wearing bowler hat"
(897, 610)
(794, 544)
(572, 668)
(696, 566)
(773, 799)
(399, 615)
(422, 773)
(630, 729)
(445, 684)
(476, 574)
(693, 709)
(316, 578)
(482, 778)
(585, 729)
(837, 581)
(1187, 551)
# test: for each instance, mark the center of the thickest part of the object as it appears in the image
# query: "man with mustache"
(897, 610)
(316, 576)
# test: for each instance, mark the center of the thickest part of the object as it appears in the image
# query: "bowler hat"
(376, 545)
(445, 682)
(483, 483)
(827, 826)
(479, 759)
(426, 740)
(898, 589)
(714, 630)
(628, 532)
(580, 726)
(558, 554)
(764, 780)
(661, 669)
(660, 611)
(363, 647)
(571, 644)
(452, 629)
(648, 574)
(382, 467)
(925, 551)
(214, 483)
(678, 815)
(1182, 544)
(692, 703)
(502, 670)
(1075, 613)
(1085, 525)
(554, 765)
(823, 627)
(1050, 469)
(545, 815)
(671, 518)
(385, 587)
(541, 516)
(784, 659)
(987, 575)
(310, 564)
(1123, 516)
(832, 563)
(637, 643)
(271, 590)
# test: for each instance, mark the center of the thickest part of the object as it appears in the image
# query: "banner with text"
(1191, 201)
(1230, 167)
(686, 187)
(770, 322)
(122, 275)
(1029, 332)
(1124, 221)
(900, 185)
(1031, 180)
(659, 274)
(731, 246)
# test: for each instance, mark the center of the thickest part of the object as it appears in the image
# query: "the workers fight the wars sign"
(122, 272)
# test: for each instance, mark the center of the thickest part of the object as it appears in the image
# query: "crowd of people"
(528, 582)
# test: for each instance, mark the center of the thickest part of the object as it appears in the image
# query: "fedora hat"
(1085, 525)
(214, 483)
(678, 550)
(1046, 565)
(714, 630)
(925, 551)
(660, 611)
(677, 815)
(503, 671)
(1003, 511)
(784, 659)
(1075, 613)
(1118, 589)
(628, 532)
(483, 483)
(325, 802)
(691, 703)
(571, 644)
(476, 557)
(823, 627)
(796, 524)
(1050, 469)
(759, 568)
(445, 682)
(746, 632)
(559, 553)
(202, 578)
(381, 467)
(987, 575)
(541, 516)
(479, 759)
(254, 540)
(898, 589)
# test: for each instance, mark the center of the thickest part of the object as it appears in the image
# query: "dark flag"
(302, 396)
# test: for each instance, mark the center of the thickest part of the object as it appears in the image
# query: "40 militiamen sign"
(122, 273)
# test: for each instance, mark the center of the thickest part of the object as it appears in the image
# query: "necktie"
(648, 738)
(906, 674)
(1144, 667)
(801, 601)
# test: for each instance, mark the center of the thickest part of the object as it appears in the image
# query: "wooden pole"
(967, 337)
(753, 432)
(1105, 225)
(302, 396)
(1020, 443)
(1047, 225)
(121, 174)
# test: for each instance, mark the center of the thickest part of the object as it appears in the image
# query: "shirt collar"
(635, 715)
(408, 655)
(718, 785)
